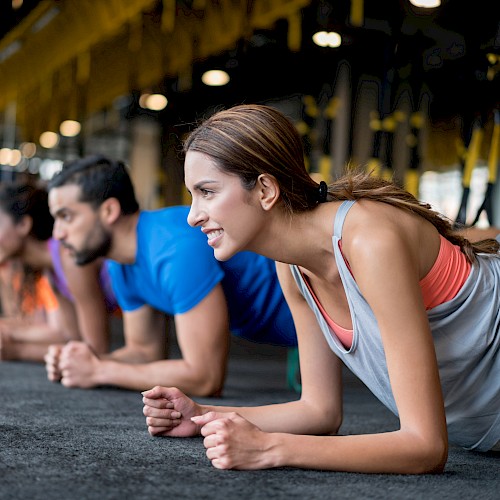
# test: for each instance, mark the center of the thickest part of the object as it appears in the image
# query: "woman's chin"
(222, 255)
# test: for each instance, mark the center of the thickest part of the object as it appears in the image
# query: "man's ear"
(268, 191)
(110, 210)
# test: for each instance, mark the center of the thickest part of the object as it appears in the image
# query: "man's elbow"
(208, 385)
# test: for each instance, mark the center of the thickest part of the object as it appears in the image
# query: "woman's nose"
(195, 216)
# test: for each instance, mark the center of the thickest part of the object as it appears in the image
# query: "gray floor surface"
(58, 443)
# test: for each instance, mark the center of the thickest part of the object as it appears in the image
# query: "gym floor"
(58, 443)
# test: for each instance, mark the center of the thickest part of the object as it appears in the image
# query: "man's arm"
(144, 330)
(203, 336)
(91, 315)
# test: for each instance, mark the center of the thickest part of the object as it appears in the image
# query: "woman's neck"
(303, 239)
(36, 254)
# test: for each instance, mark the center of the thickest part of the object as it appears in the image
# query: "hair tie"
(322, 192)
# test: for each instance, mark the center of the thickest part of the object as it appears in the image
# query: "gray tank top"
(466, 333)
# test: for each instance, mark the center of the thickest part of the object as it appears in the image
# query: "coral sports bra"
(441, 284)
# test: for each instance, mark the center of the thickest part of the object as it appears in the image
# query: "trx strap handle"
(470, 162)
(487, 205)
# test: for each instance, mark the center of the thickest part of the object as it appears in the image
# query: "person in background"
(374, 278)
(159, 266)
(39, 275)
(478, 234)
(28, 304)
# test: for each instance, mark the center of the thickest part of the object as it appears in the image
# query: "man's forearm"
(170, 373)
(132, 356)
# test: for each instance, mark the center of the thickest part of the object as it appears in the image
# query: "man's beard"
(99, 249)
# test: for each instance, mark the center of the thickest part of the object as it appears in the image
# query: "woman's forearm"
(295, 417)
(36, 333)
(395, 452)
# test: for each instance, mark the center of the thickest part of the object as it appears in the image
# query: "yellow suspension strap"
(305, 127)
(412, 174)
(382, 121)
(357, 14)
(374, 164)
(471, 157)
(487, 205)
(325, 162)
(389, 126)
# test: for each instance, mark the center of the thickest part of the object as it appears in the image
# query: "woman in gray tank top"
(363, 254)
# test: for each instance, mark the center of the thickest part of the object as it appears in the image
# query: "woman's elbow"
(431, 458)
(325, 419)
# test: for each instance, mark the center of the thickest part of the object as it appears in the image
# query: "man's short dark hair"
(99, 179)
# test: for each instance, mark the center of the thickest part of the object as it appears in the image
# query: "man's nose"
(57, 231)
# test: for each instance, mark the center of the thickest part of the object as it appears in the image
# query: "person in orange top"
(47, 298)
(29, 313)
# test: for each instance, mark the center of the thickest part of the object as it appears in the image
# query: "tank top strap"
(342, 211)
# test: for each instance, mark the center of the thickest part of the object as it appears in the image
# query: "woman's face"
(228, 214)
(11, 237)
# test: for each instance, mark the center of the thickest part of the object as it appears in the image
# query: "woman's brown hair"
(249, 140)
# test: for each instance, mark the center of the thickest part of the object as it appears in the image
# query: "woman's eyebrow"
(198, 185)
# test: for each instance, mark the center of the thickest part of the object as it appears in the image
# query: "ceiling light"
(215, 78)
(142, 100)
(48, 168)
(5, 156)
(156, 102)
(28, 149)
(327, 39)
(70, 128)
(426, 4)
(49, 140)
(15, 157)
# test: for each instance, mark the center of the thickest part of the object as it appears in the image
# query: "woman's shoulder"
(371, 217)
(376, 224)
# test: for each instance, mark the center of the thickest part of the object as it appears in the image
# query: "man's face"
(77, 225)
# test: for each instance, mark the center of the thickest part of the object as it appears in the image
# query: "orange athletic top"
(441, 284)
(44, 297)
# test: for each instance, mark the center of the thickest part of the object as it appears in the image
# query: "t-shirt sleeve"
(189, 274)
(125, 299)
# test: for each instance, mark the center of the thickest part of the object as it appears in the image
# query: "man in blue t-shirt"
(159, 266)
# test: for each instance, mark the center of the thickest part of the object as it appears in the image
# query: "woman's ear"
(110, 210)
(268, 191)
(25, 225)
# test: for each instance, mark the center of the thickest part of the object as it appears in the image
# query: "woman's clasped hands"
(231, 441)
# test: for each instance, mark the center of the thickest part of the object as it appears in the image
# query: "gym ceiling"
(72, 58)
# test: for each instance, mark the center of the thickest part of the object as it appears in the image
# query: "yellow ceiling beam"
(75, 29)
(107, 48)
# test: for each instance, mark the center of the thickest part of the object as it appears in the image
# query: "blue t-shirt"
(175, 269)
